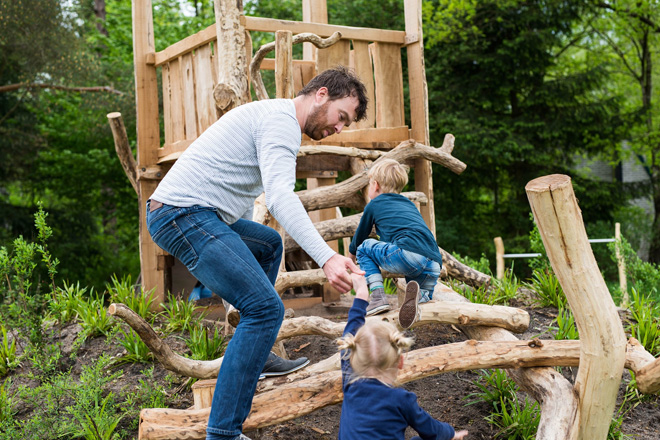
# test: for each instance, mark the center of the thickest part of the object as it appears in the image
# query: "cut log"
(123, 149)
(603, 353)
(648, 378)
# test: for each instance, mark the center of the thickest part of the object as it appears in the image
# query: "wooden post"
(123, 149)
(283, 64)
(148, 141)
(419, 105)
(313, 11)
(233, 86)
(499, 257)
(603, 342)
(621, 263)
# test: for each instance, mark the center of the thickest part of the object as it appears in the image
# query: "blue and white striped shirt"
(250, 150)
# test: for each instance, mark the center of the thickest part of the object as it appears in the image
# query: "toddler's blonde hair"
(390, 175)
(375, 349)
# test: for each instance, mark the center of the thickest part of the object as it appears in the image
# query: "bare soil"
(445, 396)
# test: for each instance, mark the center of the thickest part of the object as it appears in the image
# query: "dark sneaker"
(233, 316)
(378, 303)
(276, 366)
(409, 311)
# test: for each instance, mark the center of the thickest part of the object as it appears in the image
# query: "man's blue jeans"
(374, 255)
(239, 262)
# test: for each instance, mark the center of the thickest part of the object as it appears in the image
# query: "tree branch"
(12, 87)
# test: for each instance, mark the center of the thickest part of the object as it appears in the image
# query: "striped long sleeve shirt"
(250, 150)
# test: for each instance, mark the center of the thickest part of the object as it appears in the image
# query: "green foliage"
(478, 295)
(203, 345)
(547, 288)
(646, 326)
(566, 328)
(96, 416)
(642, 276)
(136, 350)
(8, 358)
(180, 314)
(23, 295)
(94, 317)
(482, 264)
(515, 420)
(66, 301)
(123, 291)
(6, 405)
(506, 289)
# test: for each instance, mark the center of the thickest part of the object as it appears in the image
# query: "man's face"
(329, 117)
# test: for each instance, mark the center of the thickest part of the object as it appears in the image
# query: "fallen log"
(297, 398)
(603, 342)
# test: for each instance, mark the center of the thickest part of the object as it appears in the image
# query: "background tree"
(497, 79)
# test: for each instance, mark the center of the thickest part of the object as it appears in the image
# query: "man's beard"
(316, 123)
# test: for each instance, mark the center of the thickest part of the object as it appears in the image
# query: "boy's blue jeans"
(374, 255)
(239, 262)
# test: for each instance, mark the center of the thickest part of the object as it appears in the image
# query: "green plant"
(123, 291)
(506, 289)
(64, 304)
(8, 357)
(566, 328)
(180, 314)
(536, 244)
(547, 288)
(203, 346)
(6, 403)
(642, 276)
(94, 317)
(479, 295)
(516, 420)
(494, 387)
(646, 325)
(482, 264)
(97, 416)
(136, 350)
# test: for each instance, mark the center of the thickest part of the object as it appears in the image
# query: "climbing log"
(603, 343)
(293, 399)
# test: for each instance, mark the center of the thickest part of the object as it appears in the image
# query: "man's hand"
(336, 270)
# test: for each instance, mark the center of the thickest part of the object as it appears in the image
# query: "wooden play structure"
(208, 73)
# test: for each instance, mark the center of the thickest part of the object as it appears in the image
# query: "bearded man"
(201, 213)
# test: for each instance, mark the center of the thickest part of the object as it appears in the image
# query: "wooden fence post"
(499, 257)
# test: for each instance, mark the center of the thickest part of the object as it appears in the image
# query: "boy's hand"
(360, 286)
(460, 434)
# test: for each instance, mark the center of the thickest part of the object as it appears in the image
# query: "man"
(201, 213)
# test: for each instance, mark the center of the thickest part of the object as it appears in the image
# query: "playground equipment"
(199, 85)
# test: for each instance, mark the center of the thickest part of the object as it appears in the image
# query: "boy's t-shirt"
(397, 221)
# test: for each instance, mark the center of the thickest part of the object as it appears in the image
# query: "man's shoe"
(409, 311)
(378, 303)
(276, 366)
(233, 316)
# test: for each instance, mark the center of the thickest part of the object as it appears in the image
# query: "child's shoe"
(378, 302)
(409, 311)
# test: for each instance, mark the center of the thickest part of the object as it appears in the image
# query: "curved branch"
(305, 37)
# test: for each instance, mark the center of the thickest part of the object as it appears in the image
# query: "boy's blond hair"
(375, 349)
(390, 175)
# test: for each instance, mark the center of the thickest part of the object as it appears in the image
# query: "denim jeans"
(239, 262)
(374, 255)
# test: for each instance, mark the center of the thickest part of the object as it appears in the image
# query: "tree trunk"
(603, 350)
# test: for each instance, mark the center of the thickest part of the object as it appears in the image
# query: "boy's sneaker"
(276, 366)
(242, 437)
(409, 311)
(378, 302)
(233, 316)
